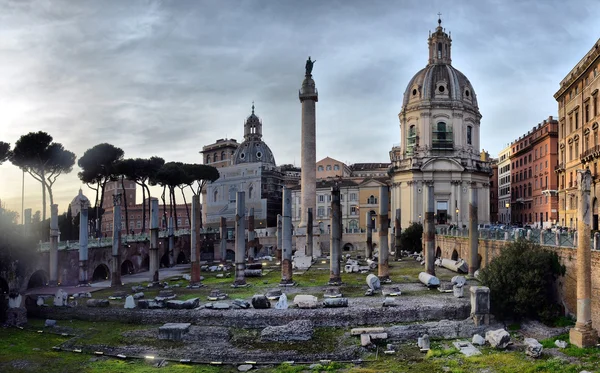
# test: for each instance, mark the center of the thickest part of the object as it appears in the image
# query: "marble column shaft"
(308, 180)
(430, 232)
(335, 237)
(194, 240)
(384, 247)
(473, 233)
(251, 236)
(240, 239)
(223, 233)
(286, 237)
(154, 257)
(116, 244)
(309, 232)
(279, 232)
(54, 245)
(368, 224)
(83, 245)
(398, 234)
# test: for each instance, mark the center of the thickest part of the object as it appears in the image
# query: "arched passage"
(181, 259)
(348, 247)
(230, 255)
(454, 255)
(38, 279)
(145, 263)
(164, 260)
(438, 252)
(127, 268)
(101, 273)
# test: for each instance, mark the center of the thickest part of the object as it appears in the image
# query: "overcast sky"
(167, 77)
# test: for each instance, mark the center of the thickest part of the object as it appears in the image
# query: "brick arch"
(438, 252)
(127, 267)
(454, 255)
(101, 273)
(38, 279)
(145, 265)
(181, 258)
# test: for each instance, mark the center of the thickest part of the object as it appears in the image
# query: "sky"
(166, 78)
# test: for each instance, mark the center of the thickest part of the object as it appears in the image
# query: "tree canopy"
(5, 152)
(43, 159)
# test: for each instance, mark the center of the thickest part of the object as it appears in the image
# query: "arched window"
(411, 139)
(250, 189)
(223, 155)
(215, 195)
(353, 225)
(469, 135)
(336, 167)
(372, 200)
(232, 194)
(320, 168)
(442, 136)
(207, 158)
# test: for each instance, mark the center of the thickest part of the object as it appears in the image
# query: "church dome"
(80, 200)
(253, 149)
(439, 82)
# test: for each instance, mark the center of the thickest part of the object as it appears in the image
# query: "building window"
(208, 158)
(353, 210)
(321, 198)
(469, 129)
(576, 149)
(336, 167)
(442, 137)
(411, 140)
(320, 168)
(321, 211)
(353, 225)
(587, 113)
(250, 189)
(328, 168)
(215, 196)
(595, 103)
(352, 196)
(372, 200)
(216, 157)
(576, 120)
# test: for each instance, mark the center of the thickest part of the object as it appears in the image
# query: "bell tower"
(440, 46)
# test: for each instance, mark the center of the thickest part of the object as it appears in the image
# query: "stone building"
(220, 153)
(494, 192)
(252, 170)
(504, 185)
(329, 168)
(578, 134)
(533, 184)
(439, 132)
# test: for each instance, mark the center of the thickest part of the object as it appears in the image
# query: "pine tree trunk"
(125, 203)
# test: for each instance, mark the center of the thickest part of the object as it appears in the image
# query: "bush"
(521, 281)
(411, 238)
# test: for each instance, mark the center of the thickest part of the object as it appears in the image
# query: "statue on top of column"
(309, 65)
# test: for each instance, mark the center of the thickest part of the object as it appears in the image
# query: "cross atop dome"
(440, 45)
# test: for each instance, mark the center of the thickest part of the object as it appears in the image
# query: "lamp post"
(507, 205)
(457, 211)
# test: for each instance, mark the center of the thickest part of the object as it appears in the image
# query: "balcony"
(590, 154)
(559, 167)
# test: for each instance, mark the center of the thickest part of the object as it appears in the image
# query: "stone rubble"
(298, 330)
(305, 301)
(260, 302)
(282, 303)
(534, 348)
(498, 338)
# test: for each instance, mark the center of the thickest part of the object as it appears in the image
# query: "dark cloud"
(167, 77)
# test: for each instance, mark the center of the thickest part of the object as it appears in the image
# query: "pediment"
(442, 164)
(371, 183)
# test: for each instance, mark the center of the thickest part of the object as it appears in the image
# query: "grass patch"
(549, 342)
(441, 353)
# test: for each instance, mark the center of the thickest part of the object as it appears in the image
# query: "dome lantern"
(440, 46)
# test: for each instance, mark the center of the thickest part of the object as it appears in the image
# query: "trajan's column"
(308, 179)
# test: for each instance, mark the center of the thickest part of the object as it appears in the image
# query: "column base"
(385, 279)
(582, 335)
(335, 281)
(287, 282)
(240, 284)
(481, 319)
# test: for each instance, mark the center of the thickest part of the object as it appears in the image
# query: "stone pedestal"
(480, 305)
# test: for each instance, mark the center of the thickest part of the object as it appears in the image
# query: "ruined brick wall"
(567, 285)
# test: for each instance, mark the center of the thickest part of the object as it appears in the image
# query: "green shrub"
(521, 281)
(411, 237)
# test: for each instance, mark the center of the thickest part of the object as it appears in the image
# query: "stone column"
(251, 236)
(460, 205)
(154, 256)
(582, 335)
(308, 180)
(278, 233)
(194, 241)
(223, 239)
(286, 238)
(473, 236)
(240, 239)
(369, 252)
(54, 245)
(429, 232)
(398, 234)
(335, 237)
(83, 244)
(171, 232)
(384, 247)
(116, 245)
(309, 232)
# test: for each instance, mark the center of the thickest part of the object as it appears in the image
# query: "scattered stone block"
(390, 302)
(253, 272)
(459, 266)
(189, 304)
(282, 303)
(365, 340)
(373, 282)
(478, 340)
(15, 300)
(534, 348)
(137, 289)
(424, 343)
(260, 302)
(359, 331)
(129, 302)
(150, 304)
(61, 298)
(459, 280)
(297, 330)
(217, 294)
(560, 344)
(240, 304)
(220, 306)
(332, 293)
(173, 331)
(305, 301)
(274, 294)
(369, 292)
(466, 348)
(498, 338)
(335, 302)
(97, 303)
(139, 295)
(187, 277)
(392, 291)
(40, 302)
(50, 323)
(480, 305)
(459, 291)
(445, 287)
(244, 367)
(429, 280)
